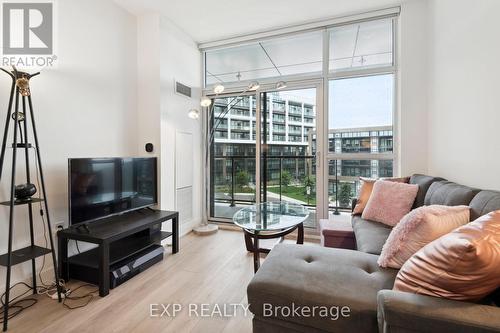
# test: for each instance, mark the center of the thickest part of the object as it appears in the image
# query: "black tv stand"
(118, 238)
(83, 227)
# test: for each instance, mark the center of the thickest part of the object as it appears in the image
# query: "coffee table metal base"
(252, 241)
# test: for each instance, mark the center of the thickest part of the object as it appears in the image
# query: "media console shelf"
(118, 238)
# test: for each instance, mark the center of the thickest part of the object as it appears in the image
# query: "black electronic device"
(149, 147)
(24, 191)
(121, 271)
(102, 187)
(130, 267)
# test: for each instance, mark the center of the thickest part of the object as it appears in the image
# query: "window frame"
(383, 70)
(324, 26)
(321, 81)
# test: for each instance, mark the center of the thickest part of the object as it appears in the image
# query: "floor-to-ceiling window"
(361, 107)
(324, 108)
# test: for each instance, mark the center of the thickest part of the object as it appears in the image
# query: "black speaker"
(149, 147)
(24, 191)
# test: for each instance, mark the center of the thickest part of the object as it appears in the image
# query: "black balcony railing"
(302, 167)
(275, 163)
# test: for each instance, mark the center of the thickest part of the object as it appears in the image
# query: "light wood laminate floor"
(212, 269)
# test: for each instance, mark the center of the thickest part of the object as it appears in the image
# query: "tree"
(242, 178)
(344, 196)
(286, 178)
(310, 181)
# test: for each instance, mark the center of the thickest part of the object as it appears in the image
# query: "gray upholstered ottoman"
(312, 276)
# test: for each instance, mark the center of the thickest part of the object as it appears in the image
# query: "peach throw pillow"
(389, 202)
(462, 265)
(417, 229)
(366, 190)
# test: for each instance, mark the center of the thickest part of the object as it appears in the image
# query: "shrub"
(344, 196)
(242, 178)
(286, 178)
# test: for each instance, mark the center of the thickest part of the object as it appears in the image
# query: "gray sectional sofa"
(301, 277)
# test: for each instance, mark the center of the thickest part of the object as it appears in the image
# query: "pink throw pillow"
(417, 229)
(389, 202)
(366, 191)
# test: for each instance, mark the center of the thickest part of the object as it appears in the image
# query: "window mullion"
(361, 156)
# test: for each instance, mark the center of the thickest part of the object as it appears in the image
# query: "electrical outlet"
(59, 225)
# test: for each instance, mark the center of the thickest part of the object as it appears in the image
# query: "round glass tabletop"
(270, 216)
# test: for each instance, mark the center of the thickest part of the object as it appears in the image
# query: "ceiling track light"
(205, 102)
(218, 89)
(280, 85)
(253, 86)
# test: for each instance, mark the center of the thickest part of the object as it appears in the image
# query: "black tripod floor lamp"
(20, 195)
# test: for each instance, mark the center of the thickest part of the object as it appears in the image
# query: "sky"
(361, 102)
(355, 102)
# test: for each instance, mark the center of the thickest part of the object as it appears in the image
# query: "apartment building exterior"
(290, 132)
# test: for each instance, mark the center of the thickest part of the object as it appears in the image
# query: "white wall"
(85, 107)
(464, 102)
(148, 89)
(169, 54)
(412, 116)
(180, 60)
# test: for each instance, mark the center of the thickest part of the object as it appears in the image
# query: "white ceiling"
(208, 20)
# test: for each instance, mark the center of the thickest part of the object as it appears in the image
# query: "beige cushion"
(417, 229)
(461, 265)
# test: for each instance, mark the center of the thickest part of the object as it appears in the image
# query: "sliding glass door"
(287, 162)
(288, 148)
(232, 155)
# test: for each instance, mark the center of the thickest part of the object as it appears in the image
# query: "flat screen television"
(102, 187)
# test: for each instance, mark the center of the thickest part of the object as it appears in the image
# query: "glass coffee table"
(270, 220)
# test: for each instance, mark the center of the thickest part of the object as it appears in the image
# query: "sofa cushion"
(389, 202)
(417, 229)
(366, 191)
(370, 235)
(449, 194)
(423, 183)
(463, 265)
(483, 203)
(410, 313)
(316, 276)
